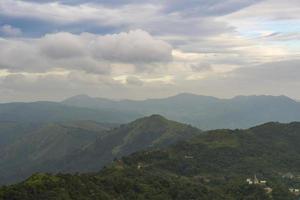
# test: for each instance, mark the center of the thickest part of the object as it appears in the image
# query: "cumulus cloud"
(21, 55)
(61, 45)
(88, 52)
(134, 46)
(211, 47)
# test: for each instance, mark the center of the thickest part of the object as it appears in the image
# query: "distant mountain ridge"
(43, 111)
(204, 112)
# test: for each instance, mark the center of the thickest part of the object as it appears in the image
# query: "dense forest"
(212, 165)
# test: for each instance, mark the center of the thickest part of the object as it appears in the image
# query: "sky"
(132, 49)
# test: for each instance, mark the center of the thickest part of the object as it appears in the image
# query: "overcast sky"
(147, 49)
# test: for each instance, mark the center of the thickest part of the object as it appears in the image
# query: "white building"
(256, 181)
(249, 181)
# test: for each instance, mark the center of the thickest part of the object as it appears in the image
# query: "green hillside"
(126, 184)
(268, 150)
(149, 132)
(85, 146)
(213, 166)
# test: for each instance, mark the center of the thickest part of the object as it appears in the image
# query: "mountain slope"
(203, 111)
(85, 145)
(270, 150)
(46, 142)
(12, 131)
(149, 132)
(213, 165)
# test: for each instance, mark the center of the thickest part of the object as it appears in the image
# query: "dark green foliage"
(125, 184)
(211, 166)
(145, 133)
(267, 150)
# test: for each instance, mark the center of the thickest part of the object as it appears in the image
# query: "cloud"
(180, 26)
(274, 78)
(53, 85)
(135, 81)
(192, 7)
(21, 55)
(70, 14)
(271, 9)
(278, 36)
(61, 45)
(132, 47)
(208, 8)
(156, 17)
(9, 30)
(200, 67)
(89, 52)
(283, 71)
(151, 48)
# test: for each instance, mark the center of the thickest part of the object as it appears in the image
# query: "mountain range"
(200, 111)
(43, 111)
(209, 165)
(204, 112)
(149, 156)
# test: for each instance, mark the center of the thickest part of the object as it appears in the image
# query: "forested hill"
(213, 165)
(80, 146)
(268, 150)
(154, 131)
